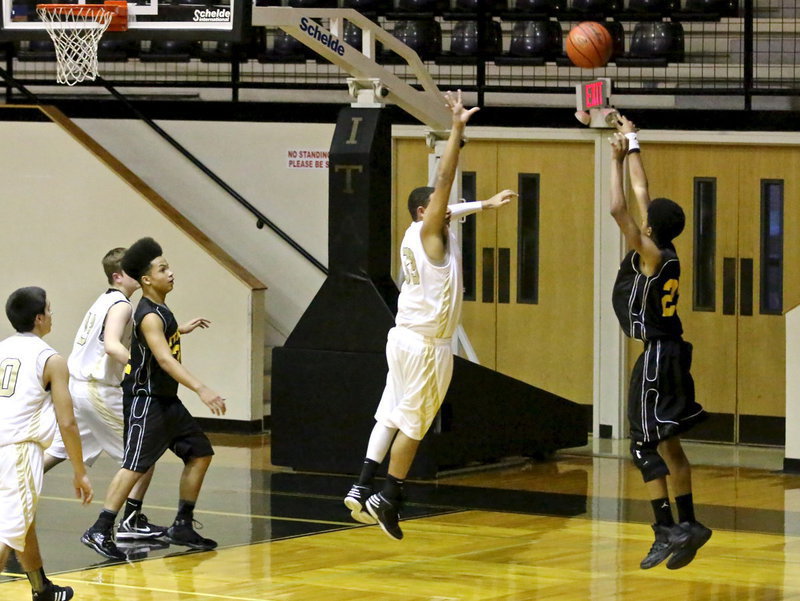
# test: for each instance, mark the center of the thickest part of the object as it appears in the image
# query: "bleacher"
(661, 46)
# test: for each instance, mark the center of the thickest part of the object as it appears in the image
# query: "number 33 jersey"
(647, 307)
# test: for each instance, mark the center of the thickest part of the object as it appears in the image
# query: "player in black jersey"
(661, 403)
(155, 418)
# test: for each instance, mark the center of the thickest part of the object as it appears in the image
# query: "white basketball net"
(75, 33)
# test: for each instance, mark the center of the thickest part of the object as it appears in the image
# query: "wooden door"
(479, 237)
(546, 266)
(768, 207)
(731, 314)
(529, 318)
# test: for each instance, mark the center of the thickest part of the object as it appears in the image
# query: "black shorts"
(155, 424)
(661, 399)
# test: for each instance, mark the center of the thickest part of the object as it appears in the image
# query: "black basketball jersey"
(143, 374)
(647, 307)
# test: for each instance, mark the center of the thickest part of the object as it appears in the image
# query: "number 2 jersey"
(431, 295)
(143, 375)
(26, 408)
(647, 306)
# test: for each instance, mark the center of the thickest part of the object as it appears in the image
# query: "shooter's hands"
(619, 146)
(625, 125)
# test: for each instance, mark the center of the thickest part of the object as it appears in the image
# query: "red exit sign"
(593, 94)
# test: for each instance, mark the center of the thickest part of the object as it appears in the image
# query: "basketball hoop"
(76, 30)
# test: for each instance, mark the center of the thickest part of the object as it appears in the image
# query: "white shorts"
(21, 473)
(98, 412)
(420, 369)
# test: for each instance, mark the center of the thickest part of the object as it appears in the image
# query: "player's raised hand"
(191, 325)
(212, 400)
(499, 199)
(455, 103)
(83, 489)
(624, 125)
(619, 146)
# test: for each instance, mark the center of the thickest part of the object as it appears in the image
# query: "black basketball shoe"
(356, 502)
(182, 532)
(668, 540)
(698, 536)
(102, 542)
(387, 514)
(137, 527)
(53, 592)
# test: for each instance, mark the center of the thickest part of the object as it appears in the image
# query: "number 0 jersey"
(647, 307)
(143, 374)
(431, 295)
(26, 408)
(88, 359)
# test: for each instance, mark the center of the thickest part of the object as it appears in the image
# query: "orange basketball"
(589, 45)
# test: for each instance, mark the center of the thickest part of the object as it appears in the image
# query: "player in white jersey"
(34, 398)
(96, 364)
(418, 349)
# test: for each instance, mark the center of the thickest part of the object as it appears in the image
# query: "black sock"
(131, 506)
(185, 512)
(38, 580)
(685, 508)
(662, 511)
(105, 521)
(368, 469)
(392, 488)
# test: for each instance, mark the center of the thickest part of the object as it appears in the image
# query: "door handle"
(745, 286)
(487, 272)
(729, 286)
(504, 275)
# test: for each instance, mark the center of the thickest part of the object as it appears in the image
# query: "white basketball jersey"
(430, 297)
(88, 359)
(26, 409)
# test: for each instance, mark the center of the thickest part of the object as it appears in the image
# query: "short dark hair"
(419, 197)
(24, 305)
(667, 219)
(136, 260)
(112, 262)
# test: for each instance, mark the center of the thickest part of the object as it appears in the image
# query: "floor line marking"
(159, 590)
(224, 513)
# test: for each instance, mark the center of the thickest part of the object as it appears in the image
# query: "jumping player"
(661, 403)
(98, 358)
(418, 349)
(34, 397)
(155, 418)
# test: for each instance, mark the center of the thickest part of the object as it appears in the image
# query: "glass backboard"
(147, 19)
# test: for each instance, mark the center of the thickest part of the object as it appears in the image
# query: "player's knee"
(672, 451)
(648, 461)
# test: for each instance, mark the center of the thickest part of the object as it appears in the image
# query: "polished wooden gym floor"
(572, 528)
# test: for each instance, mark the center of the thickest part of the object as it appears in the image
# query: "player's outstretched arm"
(435, 217)
(117, 319)
(499, 200)
(56, 377)
(639, 182)
(153, 333)
(191, 325)
(462, 209)
(619, 208)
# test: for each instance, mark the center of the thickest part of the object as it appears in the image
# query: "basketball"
(589, 45)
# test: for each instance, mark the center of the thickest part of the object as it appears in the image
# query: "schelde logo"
(216, 15)
(318, 34)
